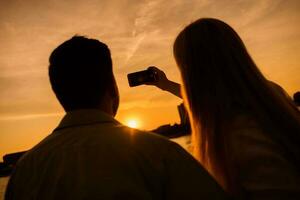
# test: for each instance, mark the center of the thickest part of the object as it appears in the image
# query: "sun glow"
(132, 123)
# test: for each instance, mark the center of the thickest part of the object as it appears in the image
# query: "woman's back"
(260, 164)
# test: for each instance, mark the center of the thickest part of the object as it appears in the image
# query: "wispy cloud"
(134, 46)
(29, 116)
(143, 19)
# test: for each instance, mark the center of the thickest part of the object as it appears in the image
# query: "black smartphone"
(141, 77)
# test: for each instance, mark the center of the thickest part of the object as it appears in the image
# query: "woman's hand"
(164, 83)
(162, 80)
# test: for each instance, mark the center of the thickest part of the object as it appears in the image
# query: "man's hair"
(80, 72)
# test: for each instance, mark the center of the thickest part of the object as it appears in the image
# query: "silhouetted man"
(90, 155)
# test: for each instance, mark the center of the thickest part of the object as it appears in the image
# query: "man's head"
(81, 75)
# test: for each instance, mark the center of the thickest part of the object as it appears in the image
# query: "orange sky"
(139, 33)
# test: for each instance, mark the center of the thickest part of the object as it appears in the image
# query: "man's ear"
(114, 92)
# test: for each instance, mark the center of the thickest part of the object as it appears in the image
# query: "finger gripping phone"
(141, 77)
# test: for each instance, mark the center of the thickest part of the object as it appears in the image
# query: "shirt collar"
(85, 117)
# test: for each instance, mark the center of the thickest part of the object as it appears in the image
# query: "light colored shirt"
(263, 169)
(92, 156)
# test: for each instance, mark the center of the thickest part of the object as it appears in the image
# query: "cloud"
(30, 116)
(134, 47)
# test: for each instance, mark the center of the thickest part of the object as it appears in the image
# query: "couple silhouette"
(245, 131)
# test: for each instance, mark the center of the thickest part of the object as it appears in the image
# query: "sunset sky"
(139, 33)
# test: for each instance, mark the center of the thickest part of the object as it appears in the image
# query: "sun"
(132, 123)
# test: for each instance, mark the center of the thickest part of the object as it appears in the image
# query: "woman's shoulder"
(245, 130)
(260, 161)
(242, 121)
(246, 125)
(246, 135)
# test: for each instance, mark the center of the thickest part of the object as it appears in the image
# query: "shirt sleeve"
(262, 168)
(187, 179)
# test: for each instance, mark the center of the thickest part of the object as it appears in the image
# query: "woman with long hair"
(244, 130)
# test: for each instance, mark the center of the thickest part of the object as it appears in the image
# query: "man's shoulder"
(132, 132)
(144, 138)
(145, 141)
(116, 138)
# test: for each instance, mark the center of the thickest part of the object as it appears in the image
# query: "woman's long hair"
(220, 78)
